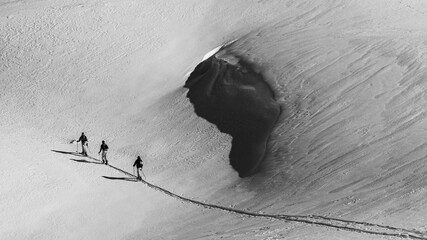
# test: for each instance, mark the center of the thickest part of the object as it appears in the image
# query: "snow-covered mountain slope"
(349, 144)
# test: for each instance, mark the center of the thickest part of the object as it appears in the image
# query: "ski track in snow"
(347, 225)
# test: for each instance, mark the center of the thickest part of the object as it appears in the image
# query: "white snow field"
(347, 159)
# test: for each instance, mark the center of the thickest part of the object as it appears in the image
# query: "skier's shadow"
(131, 179)
(83, 161)
(71, 153)
(79, 155)
(121, 178)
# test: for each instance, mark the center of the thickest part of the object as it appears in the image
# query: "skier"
(104, 149)
(83, 140)
(138, 164)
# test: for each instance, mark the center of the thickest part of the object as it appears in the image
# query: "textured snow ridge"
(355, 226)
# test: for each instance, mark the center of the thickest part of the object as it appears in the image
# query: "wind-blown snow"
(350, 143)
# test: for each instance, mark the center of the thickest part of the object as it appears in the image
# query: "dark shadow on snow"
(84, 161)
(231, 93)
(93, 158)
(76, 154)
(121, 178)
(71, 153)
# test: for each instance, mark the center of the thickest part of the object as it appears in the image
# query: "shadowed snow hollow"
(228, 92)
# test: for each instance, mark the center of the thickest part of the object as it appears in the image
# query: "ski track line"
(346, 225)
(354, 226)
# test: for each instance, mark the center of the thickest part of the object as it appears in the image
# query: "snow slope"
(349, 144)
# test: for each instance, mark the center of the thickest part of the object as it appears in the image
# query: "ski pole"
(87, 145)
(143, 174)
(77, 144)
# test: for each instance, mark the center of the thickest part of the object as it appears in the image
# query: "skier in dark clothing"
(138, 164)
(103, 149)
(83, 140)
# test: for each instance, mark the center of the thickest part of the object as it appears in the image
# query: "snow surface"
(350, 143)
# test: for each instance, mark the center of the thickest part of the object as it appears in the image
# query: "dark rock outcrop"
(229, 93)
